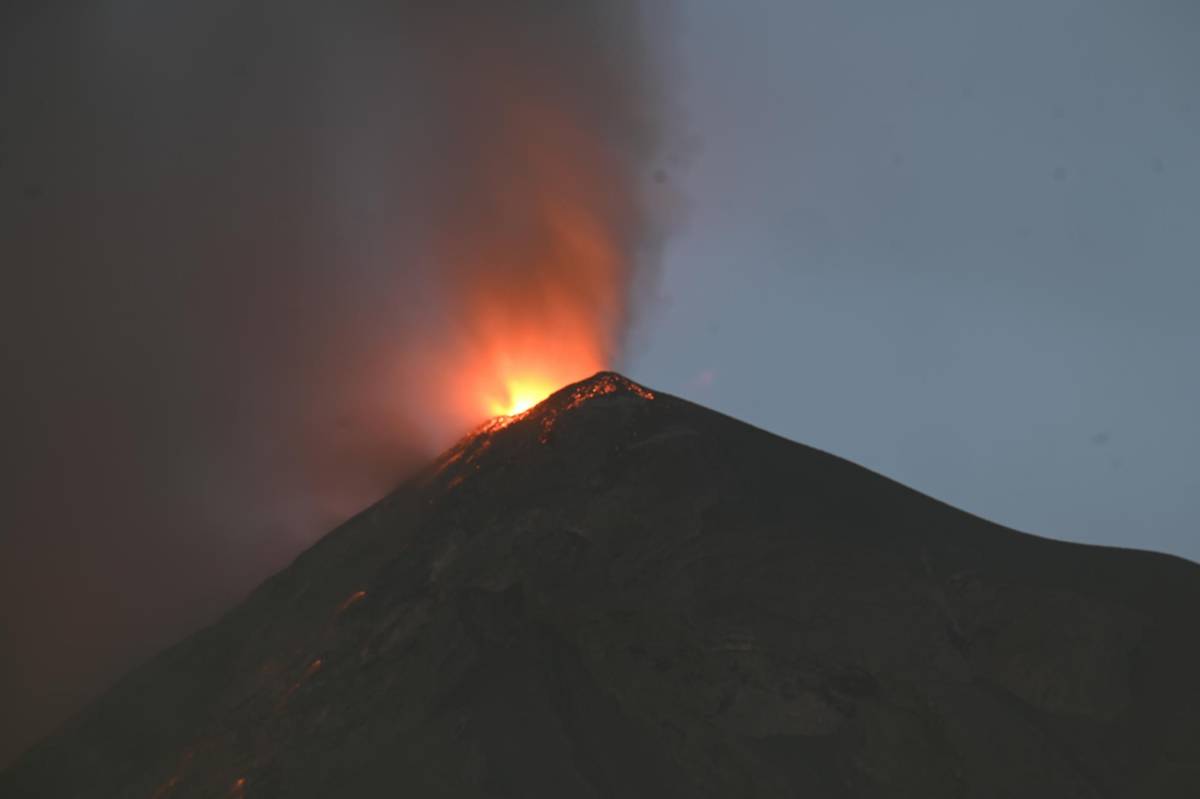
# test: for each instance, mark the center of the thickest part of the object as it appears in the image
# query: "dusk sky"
(955, 242)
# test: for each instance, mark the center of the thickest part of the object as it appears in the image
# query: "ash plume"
(262, 258)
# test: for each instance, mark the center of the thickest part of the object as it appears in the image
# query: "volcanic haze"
(262, 260)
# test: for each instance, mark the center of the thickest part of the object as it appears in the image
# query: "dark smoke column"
(261, 258)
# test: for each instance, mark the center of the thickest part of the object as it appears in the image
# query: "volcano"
(621, 594)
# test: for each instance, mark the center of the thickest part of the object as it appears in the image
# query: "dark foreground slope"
(622, 595)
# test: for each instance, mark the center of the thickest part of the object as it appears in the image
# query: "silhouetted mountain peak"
(609, 386)
(621, 593)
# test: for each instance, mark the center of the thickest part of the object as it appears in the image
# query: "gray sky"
(955, 242)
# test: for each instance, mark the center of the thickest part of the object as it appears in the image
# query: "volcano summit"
(621, 594)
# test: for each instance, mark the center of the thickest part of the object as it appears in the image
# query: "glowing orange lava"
(512, 368)
(519, 396)
(534, 250)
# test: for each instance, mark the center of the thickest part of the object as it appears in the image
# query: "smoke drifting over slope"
(264, 256)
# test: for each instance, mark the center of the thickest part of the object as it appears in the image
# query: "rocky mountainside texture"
(621, 594)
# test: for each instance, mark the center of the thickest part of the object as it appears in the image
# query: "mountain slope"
(621, 594)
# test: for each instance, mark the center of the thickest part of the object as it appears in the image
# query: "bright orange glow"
(519, 396)
(535, 249)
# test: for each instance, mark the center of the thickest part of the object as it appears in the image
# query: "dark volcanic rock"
(623, 595)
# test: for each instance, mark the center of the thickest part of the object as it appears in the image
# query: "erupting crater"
(464, 458)
(521, 395)
(550, 405)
